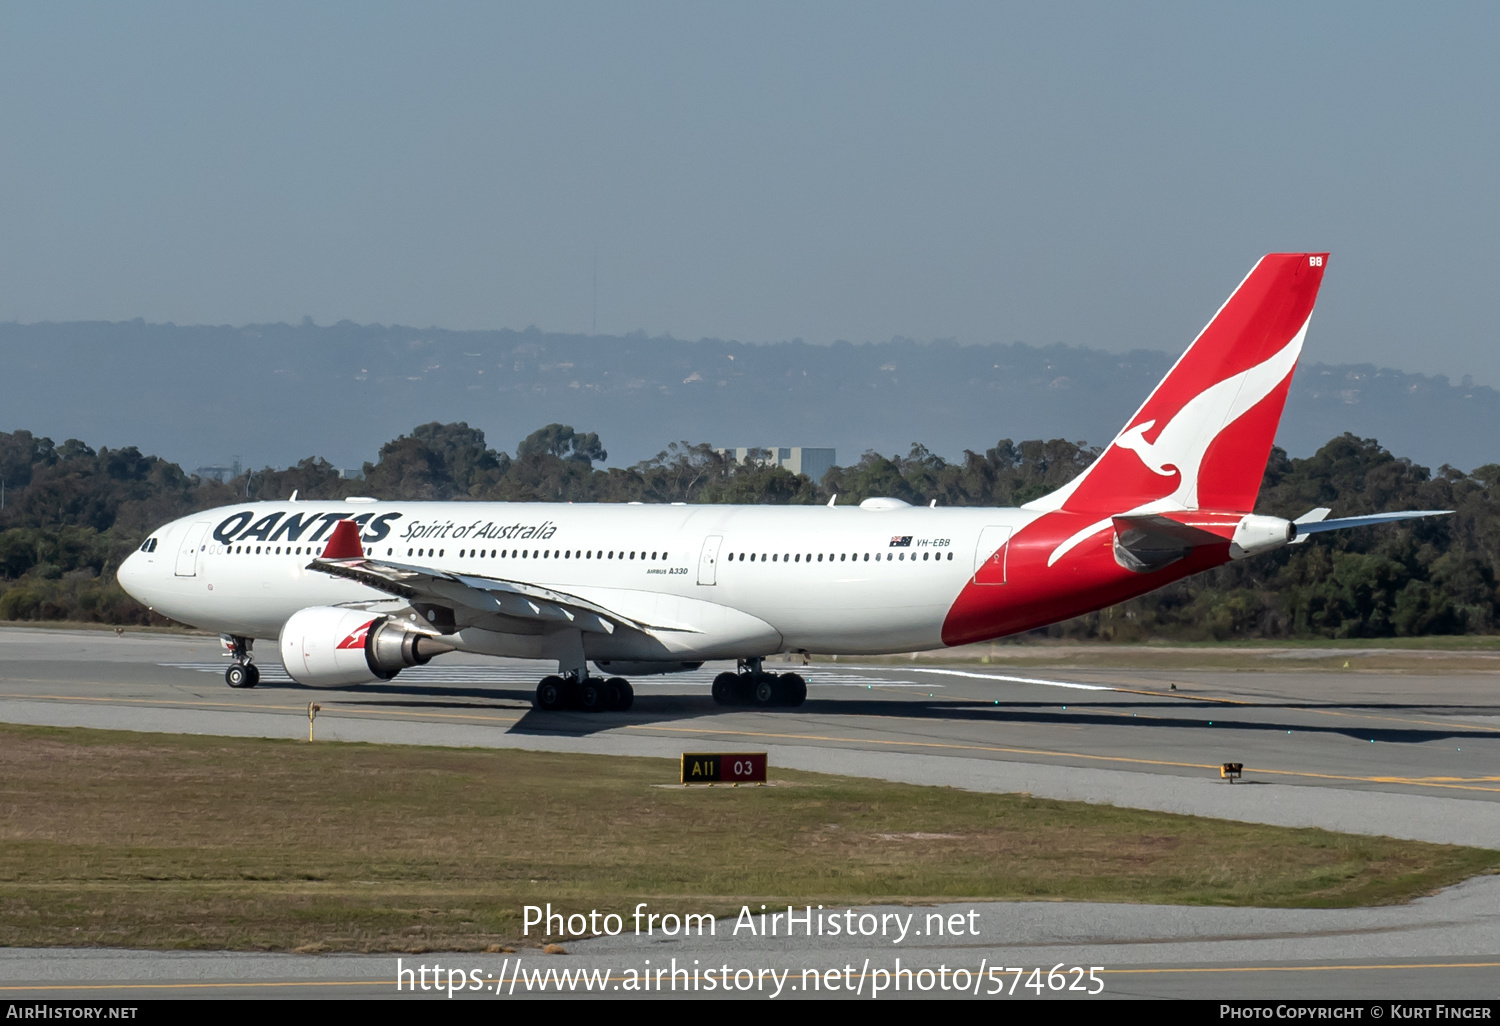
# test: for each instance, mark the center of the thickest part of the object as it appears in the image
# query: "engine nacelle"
(1256, 534)
(325, 647)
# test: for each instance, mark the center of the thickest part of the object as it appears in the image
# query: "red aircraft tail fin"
(1202, 438)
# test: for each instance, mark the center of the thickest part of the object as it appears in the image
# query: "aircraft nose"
(132, 574)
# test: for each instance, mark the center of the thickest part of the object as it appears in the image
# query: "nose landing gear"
(242, 673)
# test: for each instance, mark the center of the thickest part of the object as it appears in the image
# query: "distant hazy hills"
(273, 394)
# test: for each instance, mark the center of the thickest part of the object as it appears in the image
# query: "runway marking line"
(1023, 680)
(1413, 782)
(1437, 782)
(610, 978)
(1303, 968)
(202, 703)
(1396, 719)
(1198, 698)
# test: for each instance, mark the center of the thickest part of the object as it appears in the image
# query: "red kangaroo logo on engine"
(357, 639)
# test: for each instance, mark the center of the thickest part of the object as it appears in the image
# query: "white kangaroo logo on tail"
(1182, 444)
(1135, 440)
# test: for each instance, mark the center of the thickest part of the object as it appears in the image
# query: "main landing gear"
(587, 695)
(753, 685)
(242, 673)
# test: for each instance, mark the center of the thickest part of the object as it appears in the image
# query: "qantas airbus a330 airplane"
(357, 590)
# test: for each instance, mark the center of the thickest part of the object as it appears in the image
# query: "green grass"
(166, 841)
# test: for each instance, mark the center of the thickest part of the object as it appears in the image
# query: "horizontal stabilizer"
(1306, 528)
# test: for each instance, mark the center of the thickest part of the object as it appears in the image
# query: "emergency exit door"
(187, 555)
(708, 560)
(990, 555)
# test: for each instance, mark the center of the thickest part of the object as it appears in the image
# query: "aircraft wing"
(474, 600)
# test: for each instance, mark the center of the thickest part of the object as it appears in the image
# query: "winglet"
(344, 542)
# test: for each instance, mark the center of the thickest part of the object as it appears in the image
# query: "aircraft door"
(187, 556)
(989, 555)
(708, 560)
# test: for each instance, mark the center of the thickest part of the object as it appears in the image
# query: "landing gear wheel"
(793, 690)
(621, 694)
(763, 689)
(590, 696)
(725, 687)
(744, 688)
(242, 675)
(552, 694)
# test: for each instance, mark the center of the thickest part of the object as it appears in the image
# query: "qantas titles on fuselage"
(292, 526)
(657, 587)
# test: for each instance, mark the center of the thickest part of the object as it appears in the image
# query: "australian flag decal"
(901, 541)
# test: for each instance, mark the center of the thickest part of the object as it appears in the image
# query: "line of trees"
(72, 513)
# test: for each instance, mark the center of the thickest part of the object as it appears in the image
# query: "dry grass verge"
(112, 838)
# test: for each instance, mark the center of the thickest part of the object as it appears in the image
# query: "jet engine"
(325, 646)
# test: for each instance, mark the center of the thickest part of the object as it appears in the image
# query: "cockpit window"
(149, 545)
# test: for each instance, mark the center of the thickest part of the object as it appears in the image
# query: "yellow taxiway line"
(1470, 784)
(1449, 783)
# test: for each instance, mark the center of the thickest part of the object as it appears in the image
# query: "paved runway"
(1383, 753)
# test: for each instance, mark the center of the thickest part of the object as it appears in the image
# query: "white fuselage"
(721, 581)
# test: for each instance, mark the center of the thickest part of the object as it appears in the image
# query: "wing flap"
(484, 596)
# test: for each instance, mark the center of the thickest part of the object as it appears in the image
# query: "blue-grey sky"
(1096, 174)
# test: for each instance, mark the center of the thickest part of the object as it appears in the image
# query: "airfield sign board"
(724, 767)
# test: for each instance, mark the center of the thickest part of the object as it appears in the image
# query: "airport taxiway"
(1408, 755)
